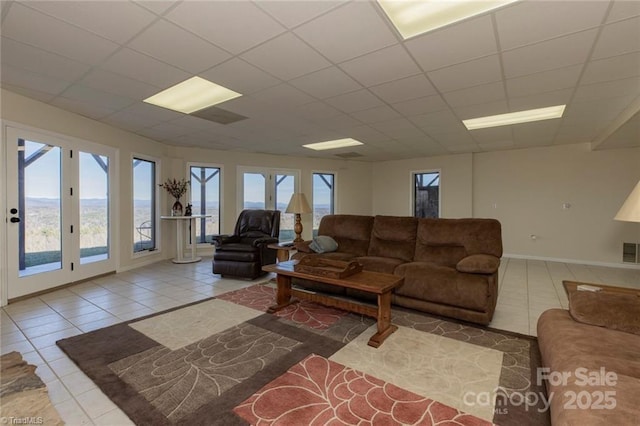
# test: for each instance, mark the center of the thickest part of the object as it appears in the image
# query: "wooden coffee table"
(372, 282)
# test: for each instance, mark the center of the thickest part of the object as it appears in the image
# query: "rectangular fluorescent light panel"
(339, 143)
(527, 116)
(412, 17)
(192, 95)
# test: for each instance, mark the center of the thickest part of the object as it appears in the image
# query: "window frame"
(220, 167)
(334, 192)
(155, 205)
(412, 197)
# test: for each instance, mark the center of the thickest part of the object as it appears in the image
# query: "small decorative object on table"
(327, 267)
(176, 188)
(187, 210)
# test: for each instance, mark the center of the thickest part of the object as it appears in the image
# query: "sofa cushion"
(379, 264)
(351, 232)
(478, 264)
(443, 284)
(611, 310)
(447, 241)
(323, 244)
(393, 237)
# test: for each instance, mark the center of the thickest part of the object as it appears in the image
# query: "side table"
(180, 220)
(284, 250)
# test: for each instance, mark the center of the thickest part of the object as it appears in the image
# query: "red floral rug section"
(317, 391)
(309, 314)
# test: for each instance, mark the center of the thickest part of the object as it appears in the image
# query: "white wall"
(393, 185)
(529, 187)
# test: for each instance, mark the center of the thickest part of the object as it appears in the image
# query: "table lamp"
(630, 210)
(298, 205)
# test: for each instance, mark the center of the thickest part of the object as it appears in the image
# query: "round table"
(180, 220)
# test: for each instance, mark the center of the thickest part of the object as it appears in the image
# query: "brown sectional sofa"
(450, 266)
(567, 345)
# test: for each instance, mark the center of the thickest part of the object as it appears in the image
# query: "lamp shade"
(630, 210)
(298, 204)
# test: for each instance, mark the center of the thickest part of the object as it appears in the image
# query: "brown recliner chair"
(245, 252)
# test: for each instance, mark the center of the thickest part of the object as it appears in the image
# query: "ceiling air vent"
(218, 115)
(349, 155)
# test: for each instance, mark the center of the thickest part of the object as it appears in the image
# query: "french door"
(269, 189)
(59, 205)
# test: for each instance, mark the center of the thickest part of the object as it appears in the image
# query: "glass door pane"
(144, 201)
(255, 194)
(285, 185)
(94, 207)
(205, 199)
(39, 208)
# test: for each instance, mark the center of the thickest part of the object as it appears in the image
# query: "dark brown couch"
(450, 266)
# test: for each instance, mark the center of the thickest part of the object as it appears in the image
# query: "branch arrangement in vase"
(176, 188)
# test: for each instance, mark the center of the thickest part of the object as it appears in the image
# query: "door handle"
(15, 219)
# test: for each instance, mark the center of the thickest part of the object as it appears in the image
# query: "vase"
(176, 209)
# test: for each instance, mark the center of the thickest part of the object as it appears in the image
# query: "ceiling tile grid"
(331, 69)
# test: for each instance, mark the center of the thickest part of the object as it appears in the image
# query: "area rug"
(24, 396)
(225, 361)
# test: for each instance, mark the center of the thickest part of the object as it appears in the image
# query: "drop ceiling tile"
(354, 101)
(157, 6)
(32, 59)
(196, 123)
(421, 105)
(85, 109)
(368, 135)
(131, 121)
(458, 138)
(627, 136)
(357, 22)
(275, 57)
(616, 68)
(388, 64)
(623, 9)
(29, 93)
(342, 122)
(118, 84)
(404, 89)
(540, 100)
(468, 74)
(481, 110)
(373, 115)
(293, 13)
(55, 36)
(232, 25)
(607, 89)
(326, 83)
(399, 128)
(283, 95)
(618, 38)
(144, 68)
(33, 81)
(464, 41)
(152, 112)
(173, 45)
(545, 81)
(484, 93)
(497, 145)
(96, 97)
(115, 21)
(548, 55)
(531, 21)
(316, 111)
(495, 135)
(240, 76)
(439, 122)
(164, 131)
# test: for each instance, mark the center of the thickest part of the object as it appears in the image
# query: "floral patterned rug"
(225, 361)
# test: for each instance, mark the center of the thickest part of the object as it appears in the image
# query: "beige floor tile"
(77, 383)
(21, 347)
(48, 328)
(72, 414)
(95, 325)
(51, 353)
(52, 338)
(10, 338)
(87, 318)
(38, 321)
(63, 367)
(113, 418)
(95, 403)
(57, 392)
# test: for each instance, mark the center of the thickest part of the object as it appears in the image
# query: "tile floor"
(32, 326)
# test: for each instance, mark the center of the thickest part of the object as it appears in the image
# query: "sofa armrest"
(218, 240)
(479, 264)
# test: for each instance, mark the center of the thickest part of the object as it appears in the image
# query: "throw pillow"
(610, 310)
(323, 244)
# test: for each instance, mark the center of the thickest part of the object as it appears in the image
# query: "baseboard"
(575, 261)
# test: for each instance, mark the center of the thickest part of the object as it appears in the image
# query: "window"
(144, 205)
(426, 194)
(323, 197)
(205, 199)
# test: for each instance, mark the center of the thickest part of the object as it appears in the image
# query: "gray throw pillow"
(323, 244)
